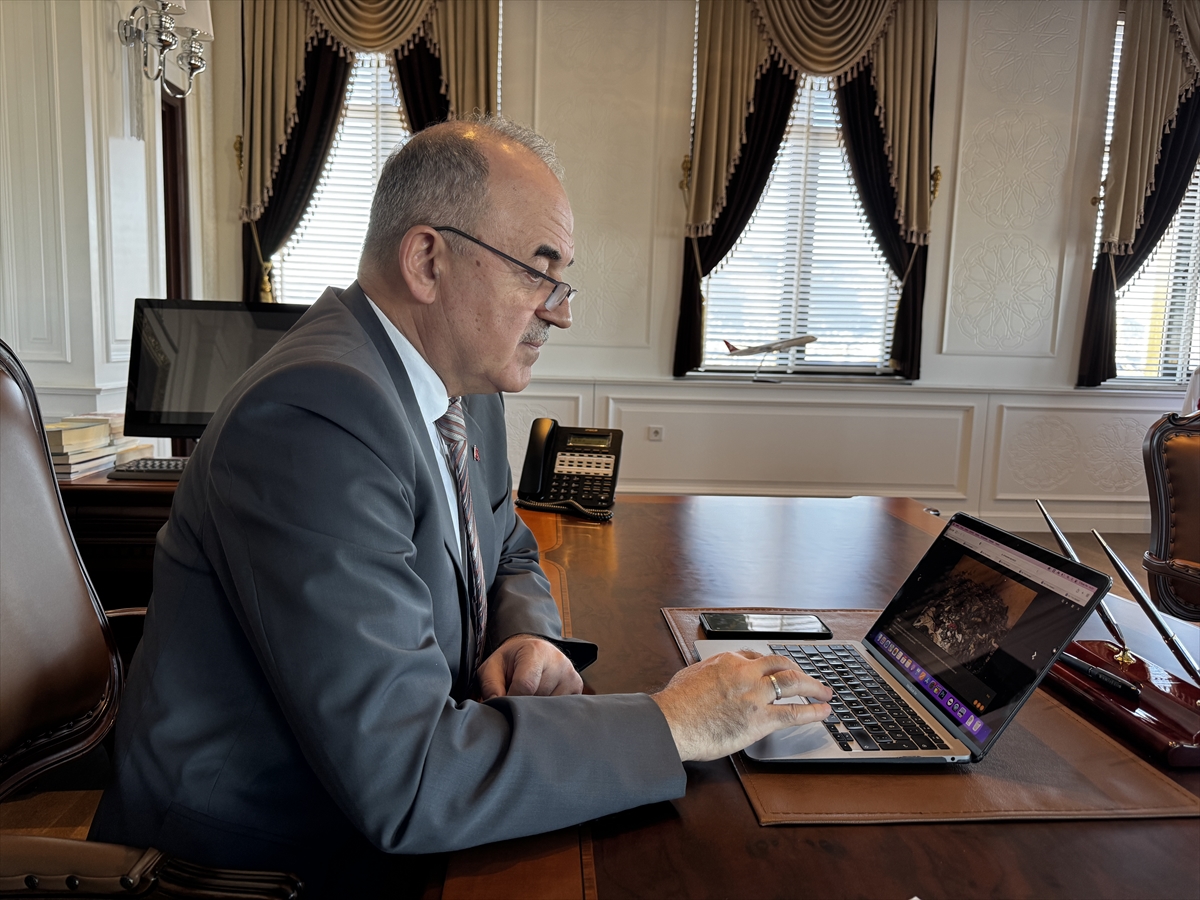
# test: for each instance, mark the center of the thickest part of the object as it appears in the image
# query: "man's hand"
(525, 665)
(727, 702)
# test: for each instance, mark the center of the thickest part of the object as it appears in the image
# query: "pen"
(1173, 643)
(1100, 676)
(1102, 609)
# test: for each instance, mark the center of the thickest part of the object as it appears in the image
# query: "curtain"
(862, 136)
(730, 54)
(774, 94)
(824, 37)
(419, 74)
(829, 38)
(1158, 71)
(371, 26)
(276, 34)
(1177, 156)
(318, 109)
(466, 34)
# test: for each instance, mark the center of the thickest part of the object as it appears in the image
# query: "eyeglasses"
(558, 293)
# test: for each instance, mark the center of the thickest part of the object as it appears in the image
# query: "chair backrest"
(60, 676)
(1171, 453)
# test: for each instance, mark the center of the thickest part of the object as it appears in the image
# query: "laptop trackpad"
(811, 741)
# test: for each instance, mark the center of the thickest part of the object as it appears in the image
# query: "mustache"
(537, 332)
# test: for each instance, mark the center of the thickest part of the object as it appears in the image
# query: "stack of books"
(80, 445)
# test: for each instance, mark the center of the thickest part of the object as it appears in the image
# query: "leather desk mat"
(1048, 764)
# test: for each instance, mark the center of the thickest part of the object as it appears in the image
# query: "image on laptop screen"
(976, 625)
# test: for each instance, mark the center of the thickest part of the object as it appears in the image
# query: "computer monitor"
(187, 354)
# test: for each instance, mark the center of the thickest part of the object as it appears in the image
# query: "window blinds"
(326, 246)
(807, 263)
(1158, 329)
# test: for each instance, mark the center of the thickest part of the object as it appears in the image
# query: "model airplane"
(773, 345)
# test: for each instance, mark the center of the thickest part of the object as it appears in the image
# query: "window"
(1158, 329)
(807, 263)
(325, 248)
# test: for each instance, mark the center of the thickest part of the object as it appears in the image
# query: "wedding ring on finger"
(778, 689)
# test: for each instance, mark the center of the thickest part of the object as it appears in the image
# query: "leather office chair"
(60, 682)
(1171, 453)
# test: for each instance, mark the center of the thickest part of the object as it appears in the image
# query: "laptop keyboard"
(866, 711)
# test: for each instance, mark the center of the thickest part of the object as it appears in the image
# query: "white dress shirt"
(433, 400)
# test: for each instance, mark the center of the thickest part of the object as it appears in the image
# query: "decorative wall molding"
(1025, 52)
(1004, 288)
(1083, 453)
(1013, 167)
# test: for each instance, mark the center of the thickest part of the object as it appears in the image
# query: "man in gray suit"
(317, 675)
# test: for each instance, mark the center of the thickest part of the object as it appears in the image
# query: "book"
(66, 436)
(68, 472)
(137, 451)
(71, 457)
(115, 420)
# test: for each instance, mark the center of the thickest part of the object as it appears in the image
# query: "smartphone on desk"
(570, 464)
(764, 627)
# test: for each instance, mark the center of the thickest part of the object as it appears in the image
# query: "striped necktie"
(453, 429)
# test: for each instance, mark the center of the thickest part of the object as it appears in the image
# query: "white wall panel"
(33, 237)
(815, 449)
(1020, 107)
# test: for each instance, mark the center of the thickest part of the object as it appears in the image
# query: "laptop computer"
(949, 662)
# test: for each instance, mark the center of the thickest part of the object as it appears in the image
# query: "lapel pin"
(475, 452)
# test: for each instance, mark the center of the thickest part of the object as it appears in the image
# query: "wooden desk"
(115, 524)
(699, 551)
(611, 581)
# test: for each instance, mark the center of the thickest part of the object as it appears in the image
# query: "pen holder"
(1164, 720)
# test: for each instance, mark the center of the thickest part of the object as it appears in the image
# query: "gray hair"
(440, 177)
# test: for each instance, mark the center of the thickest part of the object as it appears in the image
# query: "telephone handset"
(570, 470)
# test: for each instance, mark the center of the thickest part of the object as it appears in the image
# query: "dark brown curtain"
(774, 94)
(862, 136)
(420, 75)
(318, 108)
(1180, 149)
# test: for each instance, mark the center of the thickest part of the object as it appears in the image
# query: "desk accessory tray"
(1050, 764)
(1164, 720)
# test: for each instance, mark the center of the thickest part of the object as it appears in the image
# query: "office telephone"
(570, 470)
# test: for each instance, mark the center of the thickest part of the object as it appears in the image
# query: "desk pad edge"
(854, 797)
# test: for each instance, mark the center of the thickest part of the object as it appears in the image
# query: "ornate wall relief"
(1012, 168)
(1004, 290)
(1113, 459)
(1025, 51)
(1042, 454)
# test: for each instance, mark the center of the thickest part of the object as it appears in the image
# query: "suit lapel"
(356, 301)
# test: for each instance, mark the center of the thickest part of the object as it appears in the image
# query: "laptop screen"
(979, 622)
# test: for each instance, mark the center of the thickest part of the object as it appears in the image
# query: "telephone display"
(565, 464)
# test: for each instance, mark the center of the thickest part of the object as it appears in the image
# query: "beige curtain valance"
(371, 26)
(827, 38)
(277, 33)
(1158, 71)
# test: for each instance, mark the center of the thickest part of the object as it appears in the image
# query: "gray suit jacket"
(301, 682)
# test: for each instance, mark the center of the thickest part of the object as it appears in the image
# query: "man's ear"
(422, 262)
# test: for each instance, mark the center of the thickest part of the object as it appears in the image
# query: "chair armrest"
(1180, 569)
(55, 864)
(41, 866)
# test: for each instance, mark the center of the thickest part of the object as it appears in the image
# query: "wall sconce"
(163, 26)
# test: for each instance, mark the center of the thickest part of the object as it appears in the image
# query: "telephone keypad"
(584, 477)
